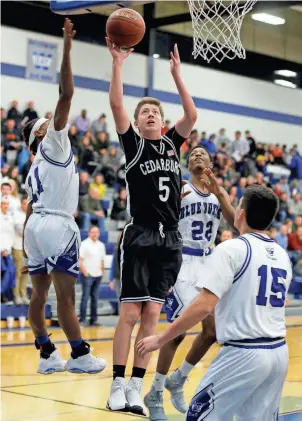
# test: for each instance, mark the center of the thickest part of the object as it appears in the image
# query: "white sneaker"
(26, 300)
(18, 301)
(117, 400)
(52, 364)
(133, 396)
(87, 363)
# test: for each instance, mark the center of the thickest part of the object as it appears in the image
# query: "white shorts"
(245, 382)
(52, 242)
(184, 291)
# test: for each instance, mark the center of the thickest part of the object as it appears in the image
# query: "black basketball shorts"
(150, 260)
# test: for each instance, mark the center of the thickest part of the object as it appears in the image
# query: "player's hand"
(212, 184)
(116, 52)
(68, 34)
(112, 285)
(149, 344)
(24, 269)
(175, 61)
(184, 194)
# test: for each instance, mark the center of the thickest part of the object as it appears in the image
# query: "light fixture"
(270, 19)
(285, 73)
(155, 55)
(285, 83)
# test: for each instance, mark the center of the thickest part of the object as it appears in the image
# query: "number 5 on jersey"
(164, 189)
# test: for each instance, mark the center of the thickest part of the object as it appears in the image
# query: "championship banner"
(41, 63)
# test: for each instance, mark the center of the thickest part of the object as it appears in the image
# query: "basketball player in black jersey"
(151, 246)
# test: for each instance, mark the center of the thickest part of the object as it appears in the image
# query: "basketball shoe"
(50, 363)
(175, 385)
(154, 402)
(117, 400)
(86, 362)
(133, 396)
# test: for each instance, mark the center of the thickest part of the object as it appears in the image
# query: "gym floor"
(27, 395)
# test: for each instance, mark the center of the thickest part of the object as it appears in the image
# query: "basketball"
(125, 28)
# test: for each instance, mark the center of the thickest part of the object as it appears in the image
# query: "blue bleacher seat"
(104, 237)
(105, 204)
(110, 248)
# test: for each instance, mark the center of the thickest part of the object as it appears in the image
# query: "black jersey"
(153, 177)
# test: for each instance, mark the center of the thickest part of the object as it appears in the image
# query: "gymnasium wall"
(273, 113)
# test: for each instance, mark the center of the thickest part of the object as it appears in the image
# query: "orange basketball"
(125, 28)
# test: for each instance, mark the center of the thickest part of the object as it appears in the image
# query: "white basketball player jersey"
(250, 275)
(199, 218)
(53, 180)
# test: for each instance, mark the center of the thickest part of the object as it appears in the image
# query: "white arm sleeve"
(56, 145)
(222, 266)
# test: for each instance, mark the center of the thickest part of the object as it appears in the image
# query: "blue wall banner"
(41, 63)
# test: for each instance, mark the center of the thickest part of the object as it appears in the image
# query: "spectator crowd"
(237, 163)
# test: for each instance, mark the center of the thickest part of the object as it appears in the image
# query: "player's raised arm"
(66, 79)
(185, 125)
(120, 116)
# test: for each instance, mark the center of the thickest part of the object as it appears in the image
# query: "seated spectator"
(20, 292)
(289, 223)
(222, 138)
(294, 187)
(112, 160)
(295, 245)
(13, 174)
(119, 212)
(92, 265)
(282, 237)
(3, 119)
(241, 187)
(283, 212)
(210, 145)
(167, 126)
(14, 202)
(13, 113)
(84, 183)
(99, 185)
(203, 139)
(259, 179)
(48, 115)
(91, 211)
(86, 155)
(261, 164)
(272, 233)
(297, 223)
(277, 189)
(250, 180)
(82, 123)
(226, 235)
(26, 167)
(30, 113)
(11, 141)
(284, 187)
(101, 143)
(295, 204)
(99, 125)
(74, 139)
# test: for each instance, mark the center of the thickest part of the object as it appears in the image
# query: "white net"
(216, 28)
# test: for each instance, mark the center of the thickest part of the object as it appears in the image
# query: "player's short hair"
(26, 133)
(200, 147)
(148, 100)
(261, 206)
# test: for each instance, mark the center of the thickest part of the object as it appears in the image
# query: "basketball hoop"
(216, 28)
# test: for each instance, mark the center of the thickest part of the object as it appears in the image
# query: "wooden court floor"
(27, 395)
